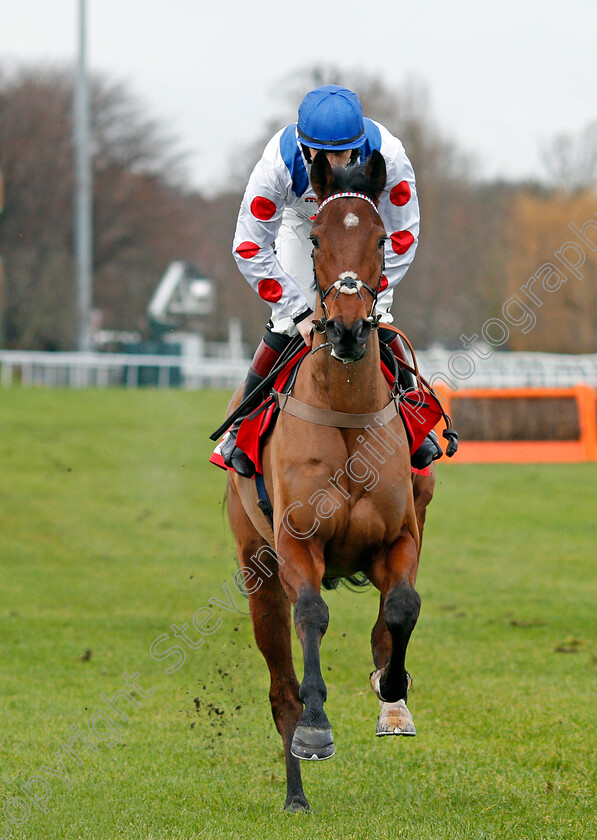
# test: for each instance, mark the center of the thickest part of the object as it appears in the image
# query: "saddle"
(419, 409)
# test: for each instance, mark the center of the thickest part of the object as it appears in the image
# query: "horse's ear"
(322, 176)
(376, 173)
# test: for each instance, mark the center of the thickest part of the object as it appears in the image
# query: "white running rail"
(102, 370)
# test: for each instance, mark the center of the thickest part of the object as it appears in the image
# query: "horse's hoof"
(312, 744)
(395, 719)
(297, 805)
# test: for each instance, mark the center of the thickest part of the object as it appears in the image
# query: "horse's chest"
(366, 521)
(350, 505)
(371, 522)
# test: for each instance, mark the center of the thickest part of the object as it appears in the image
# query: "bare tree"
(565, 319)
(460, 256)
(142, 218)
(571, 160)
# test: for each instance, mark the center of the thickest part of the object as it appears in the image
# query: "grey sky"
(503, 77)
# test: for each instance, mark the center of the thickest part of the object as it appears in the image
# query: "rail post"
(585, 402)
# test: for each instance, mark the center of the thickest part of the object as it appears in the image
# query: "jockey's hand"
(305, 327)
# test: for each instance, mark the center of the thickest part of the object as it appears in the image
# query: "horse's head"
(348, 244)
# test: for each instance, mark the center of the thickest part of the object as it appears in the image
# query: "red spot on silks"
(383, 284)
(247, 250)
(400, 194)
(401, 241)
(270, 290)
(262, 208)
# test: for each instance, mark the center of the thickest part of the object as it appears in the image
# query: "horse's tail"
(353, 582)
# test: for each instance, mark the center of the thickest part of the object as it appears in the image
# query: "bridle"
(326, 417)
(346, 285)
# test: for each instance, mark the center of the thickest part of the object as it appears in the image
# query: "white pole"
(83, 187)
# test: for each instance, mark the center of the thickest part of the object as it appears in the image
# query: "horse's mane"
(352, 178)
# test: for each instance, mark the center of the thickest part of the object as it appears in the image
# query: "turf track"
(112, 530)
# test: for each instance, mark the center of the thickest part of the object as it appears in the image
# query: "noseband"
(350, 283)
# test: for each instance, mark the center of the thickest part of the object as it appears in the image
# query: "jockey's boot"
(429, 450)
(266, 356)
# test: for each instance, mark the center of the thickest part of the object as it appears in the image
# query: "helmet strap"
(306, 153)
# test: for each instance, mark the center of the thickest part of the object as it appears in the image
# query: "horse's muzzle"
(349, 343)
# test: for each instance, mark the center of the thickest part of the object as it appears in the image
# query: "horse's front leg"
(301, 572)
(395, 577)
(270, 613)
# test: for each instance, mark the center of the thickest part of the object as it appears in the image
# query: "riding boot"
(266, 355)
(430, 450)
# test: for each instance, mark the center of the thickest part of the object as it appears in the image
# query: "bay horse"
(344, 498)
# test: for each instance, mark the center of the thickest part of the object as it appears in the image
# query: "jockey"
(272, 246)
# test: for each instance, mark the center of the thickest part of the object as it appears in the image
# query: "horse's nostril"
(335, 331)
(361, 330)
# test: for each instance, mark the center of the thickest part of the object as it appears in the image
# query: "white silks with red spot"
(271, 243)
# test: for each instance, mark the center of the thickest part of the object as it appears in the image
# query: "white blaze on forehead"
(350, 220)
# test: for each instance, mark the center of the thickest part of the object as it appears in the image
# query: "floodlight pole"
(83, 188)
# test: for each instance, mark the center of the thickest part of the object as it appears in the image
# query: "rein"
(345, 420)
(449, 433)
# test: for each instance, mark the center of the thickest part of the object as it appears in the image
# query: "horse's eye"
(382, 241)
(315, 241)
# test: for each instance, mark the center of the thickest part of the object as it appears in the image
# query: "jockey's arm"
(257, 227)
(399, 209)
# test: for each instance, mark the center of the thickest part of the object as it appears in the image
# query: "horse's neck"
(357, 387)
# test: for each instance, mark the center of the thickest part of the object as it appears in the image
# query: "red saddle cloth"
(420, 412)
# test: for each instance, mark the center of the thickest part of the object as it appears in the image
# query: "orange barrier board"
(523, 451)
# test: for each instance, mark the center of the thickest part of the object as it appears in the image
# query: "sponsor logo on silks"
(311, 199)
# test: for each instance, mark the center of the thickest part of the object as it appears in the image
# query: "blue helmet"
(331, 118)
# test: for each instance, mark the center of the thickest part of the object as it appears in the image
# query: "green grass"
(112, 529)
